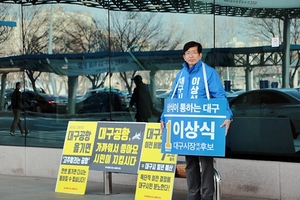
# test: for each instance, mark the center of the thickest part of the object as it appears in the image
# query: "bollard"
(107, 182)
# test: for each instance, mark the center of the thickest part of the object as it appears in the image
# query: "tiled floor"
(21, 188)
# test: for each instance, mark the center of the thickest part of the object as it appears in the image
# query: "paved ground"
(36, 188)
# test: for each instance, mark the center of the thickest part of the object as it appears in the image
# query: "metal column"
(286, 53)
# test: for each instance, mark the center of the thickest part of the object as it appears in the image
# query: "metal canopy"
(242, 8)
(79, 64)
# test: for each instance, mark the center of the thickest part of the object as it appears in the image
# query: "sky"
(197, 27)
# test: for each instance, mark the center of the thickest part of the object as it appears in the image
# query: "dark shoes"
(26, 134)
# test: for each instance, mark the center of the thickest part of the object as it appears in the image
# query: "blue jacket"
(189, 83)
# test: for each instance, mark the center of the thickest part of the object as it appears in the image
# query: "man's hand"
(226, 123)
(162, 125)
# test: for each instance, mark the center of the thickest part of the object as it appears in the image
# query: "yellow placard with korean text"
(157, 170)
(72, 179)
(78, 148)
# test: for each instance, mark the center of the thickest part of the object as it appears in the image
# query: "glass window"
(72, 56)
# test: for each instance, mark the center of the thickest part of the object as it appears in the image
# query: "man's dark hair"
(192, 44)
(17, 84)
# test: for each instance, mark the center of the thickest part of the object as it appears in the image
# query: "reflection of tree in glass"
(6, 14)
(266, 29)
(136, 31)
(34, 33)
(86, 32)
(127, 31)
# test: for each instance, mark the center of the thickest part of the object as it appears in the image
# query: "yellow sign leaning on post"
(157, 170)
(78, 148)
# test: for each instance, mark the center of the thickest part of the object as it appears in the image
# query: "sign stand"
(107, 182)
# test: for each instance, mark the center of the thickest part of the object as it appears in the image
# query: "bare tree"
(127, 33)
(135, 31)
(295, 56)
(98, 79)
(35, 30)
(142, 31)
(266, 29)
(82, 33)
(35, 25)
(165, 79)
(6, 13)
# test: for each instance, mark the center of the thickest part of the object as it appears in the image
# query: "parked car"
(161, 99)
(7, 98)
(91, 92)
(101, 101)
(161, 91)
(79, 98)
(44, 103)
(269, 103)
(232, 95)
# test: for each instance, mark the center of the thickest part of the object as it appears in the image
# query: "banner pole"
(107, 181)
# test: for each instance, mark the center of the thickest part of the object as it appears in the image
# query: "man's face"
(192, 56)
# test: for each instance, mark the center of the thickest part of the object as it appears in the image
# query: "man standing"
(197, 80)
(16, 103)
(141, 98)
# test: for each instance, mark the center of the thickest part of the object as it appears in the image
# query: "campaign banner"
(192, 127)
(117, 147)
(122, 147)
(156, 170)
(74, 168)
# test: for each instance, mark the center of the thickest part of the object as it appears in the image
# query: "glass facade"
(75, 61)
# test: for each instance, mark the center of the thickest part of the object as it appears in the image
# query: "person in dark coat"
(141, 98)
(16, 103)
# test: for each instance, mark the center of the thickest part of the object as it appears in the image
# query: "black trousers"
(16, 121)
(200, 183)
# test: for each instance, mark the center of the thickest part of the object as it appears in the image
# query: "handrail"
(218, 189)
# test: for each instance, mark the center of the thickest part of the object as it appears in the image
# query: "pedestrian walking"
(141, 98)
(16, 104)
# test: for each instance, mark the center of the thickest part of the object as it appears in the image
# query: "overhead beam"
(263, 9)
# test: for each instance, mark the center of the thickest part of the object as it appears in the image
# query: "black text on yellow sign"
(72, 179)
(156, 170)
(77, 152)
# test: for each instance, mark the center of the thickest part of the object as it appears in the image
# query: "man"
(192, 85)
(16, 103)
(141, 98)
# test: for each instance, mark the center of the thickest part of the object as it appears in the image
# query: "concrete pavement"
(37, 188)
